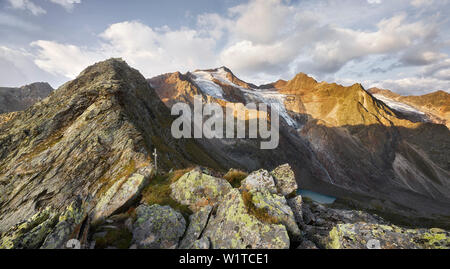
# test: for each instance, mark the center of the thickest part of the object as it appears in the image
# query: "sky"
(401, 45)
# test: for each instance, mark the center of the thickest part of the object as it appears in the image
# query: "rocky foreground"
(202, 211)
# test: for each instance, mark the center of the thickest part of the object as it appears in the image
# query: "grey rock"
(158, 227)
(197, 223)
(121, 194)
(260, 180)
(232, 227)
(277, 208)
(285, 179)
(296, 206)
(196, 189)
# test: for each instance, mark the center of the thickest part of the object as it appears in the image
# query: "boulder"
(276, 208)
(197, 223)
(196, 189)
(296, 206)
(260, 180)
(158, 227)
(121, 194)
(233, 227)
(285, 180)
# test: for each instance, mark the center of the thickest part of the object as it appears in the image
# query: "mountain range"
(81, 160)
(341, 141)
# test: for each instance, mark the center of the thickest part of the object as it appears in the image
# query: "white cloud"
(151, 51)
(17, 68)
(413, 85)
(420, 3)
(27, 5)
(67, 4)
(36, 10)
(62, 59)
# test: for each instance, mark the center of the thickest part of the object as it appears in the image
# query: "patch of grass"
(260, 213)
(158, 192)
(234, 177)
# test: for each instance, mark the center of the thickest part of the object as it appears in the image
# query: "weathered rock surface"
(231, 226)
(47, 229)
(276, 207)
(196, 189)
(123, 193)
(158, 227)
(197, 224)
(375, 236)
(260, 180)
(285, 180)
(296, 206)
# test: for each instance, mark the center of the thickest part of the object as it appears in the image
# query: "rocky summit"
(94, 166)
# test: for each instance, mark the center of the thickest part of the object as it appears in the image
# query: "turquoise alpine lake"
(317, 197)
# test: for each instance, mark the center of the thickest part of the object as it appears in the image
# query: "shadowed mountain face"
(16, 99)
(85, 140)
(341, 141)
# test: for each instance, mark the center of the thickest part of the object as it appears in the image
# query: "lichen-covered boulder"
(121, 194)
(233, 227)
(276, 207)
(285, 180)
(260, 180)
(196, 189)
(367, 236)
(197, 223)
(158, 227)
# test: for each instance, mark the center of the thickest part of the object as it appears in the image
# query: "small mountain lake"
(317, 197)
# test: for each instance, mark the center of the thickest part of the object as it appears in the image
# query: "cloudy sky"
(402, 45)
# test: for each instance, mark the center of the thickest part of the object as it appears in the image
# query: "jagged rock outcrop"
(86, 139)
(16, 99)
